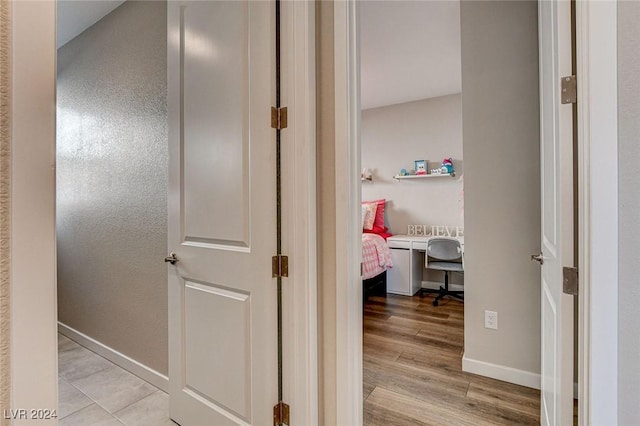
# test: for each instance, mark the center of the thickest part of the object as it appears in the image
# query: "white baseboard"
(131, 365)
(436, 285)
(500, 372)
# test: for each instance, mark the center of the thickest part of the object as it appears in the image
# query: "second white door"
(222, 317)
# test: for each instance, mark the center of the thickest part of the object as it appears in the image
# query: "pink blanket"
(376, 257)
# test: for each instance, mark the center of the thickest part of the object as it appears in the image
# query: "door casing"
(597, 70)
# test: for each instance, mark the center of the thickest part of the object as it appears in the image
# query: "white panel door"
(222, 308)
(556, 406)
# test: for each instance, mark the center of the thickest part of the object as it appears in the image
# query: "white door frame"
(299, 208)
(30, 187)
(300, 294)
(597, 71)
(347, 321)
(598, 206)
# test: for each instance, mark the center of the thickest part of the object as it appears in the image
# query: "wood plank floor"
(413, 370)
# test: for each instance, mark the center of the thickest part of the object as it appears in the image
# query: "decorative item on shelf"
(447, 166)
(366, 175)
(420, 172)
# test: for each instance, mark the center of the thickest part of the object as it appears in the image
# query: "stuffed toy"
(447, 165)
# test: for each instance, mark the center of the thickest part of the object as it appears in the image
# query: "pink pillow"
(378, 223)
(369, 213)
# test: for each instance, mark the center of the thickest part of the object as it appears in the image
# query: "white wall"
(33, 287)
(500, 109)
(396, 135)
(629, 206)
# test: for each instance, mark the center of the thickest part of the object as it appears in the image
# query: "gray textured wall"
(500, 110)
(629, 216)
(112, 182)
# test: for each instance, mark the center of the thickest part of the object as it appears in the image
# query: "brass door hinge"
(570, 281)
(280, 266)
(279, 118)
(569, 88)
(280, 414)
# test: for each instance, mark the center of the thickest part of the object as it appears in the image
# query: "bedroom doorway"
(412, 178)
(495, 368)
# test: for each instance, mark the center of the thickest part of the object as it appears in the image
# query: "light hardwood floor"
(413, 370)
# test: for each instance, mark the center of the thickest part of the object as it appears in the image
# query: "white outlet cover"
(491, 320)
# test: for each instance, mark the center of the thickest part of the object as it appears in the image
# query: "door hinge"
(569, 89)
(280, 266)
(279, 118)
(570, 281)
(280, 414)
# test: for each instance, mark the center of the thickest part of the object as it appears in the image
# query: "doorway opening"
(457, 360)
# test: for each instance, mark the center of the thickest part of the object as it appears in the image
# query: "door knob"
(172, 258)
(538, 258)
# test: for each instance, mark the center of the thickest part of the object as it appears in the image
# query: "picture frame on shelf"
(420, 167)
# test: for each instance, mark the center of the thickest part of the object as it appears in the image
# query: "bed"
(376, 259)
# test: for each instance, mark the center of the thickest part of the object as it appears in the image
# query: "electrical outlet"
(491, 320)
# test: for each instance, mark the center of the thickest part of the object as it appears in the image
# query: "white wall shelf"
(398, 177)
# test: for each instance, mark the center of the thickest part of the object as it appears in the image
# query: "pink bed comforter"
(376, 257)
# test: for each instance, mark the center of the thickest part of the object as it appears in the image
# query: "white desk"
(407, 254)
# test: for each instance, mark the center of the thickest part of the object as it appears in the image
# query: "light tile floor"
(96, 392)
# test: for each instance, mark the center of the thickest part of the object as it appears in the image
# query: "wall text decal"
(436, 231)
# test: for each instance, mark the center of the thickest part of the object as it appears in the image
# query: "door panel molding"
(207, 40)
(230, 347)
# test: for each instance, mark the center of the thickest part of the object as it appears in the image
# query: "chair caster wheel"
(435, 303)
